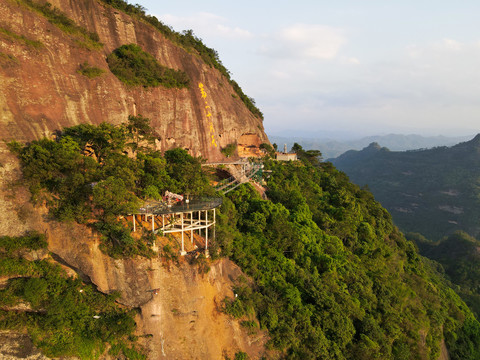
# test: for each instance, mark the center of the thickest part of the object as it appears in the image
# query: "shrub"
(135, 67)
(189, 41)
(229, 150)
(64, 23)
(89, 71)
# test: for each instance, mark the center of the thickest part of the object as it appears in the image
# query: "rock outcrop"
(41, 90)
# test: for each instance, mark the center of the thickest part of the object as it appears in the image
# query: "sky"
(346, 68)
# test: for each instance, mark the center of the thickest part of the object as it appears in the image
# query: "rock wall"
(183, 318)
(41, 90)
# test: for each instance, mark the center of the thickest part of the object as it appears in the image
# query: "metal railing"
(193, 203)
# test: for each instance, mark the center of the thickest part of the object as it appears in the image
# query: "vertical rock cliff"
(41, 90)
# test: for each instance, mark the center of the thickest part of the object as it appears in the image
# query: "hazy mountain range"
(434, 192)
(333, 147)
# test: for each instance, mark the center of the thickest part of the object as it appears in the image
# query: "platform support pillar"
(206, 233)
(183, 252)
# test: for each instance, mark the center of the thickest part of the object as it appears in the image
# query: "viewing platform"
(194, 214)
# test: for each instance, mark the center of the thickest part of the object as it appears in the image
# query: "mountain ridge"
(334, 147)
(405, 182)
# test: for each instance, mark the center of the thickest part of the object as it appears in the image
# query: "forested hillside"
(327, 273)
(433, 192)
(434, 196)
(333, 277)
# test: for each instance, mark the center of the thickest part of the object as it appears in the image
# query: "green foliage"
(269, 150)
(113, 197)
(31, 240)
(313, 157)
(82, 36)
(89, 71)
(86, 174)
(233, 307)
(20, 38)
(332, 276)
(67, 318)
(186, 173)
(241, 356)
(229, 150)
(460, 259)
(433, 192)
(135, 67)
(131, 353)
(190, 42)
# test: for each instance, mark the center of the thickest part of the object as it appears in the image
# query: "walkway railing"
(193, 203)
(233, 182)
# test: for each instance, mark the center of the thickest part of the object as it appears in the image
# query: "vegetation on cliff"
(89, 71)
(333, 277)
(135, 67)
(62, 315)
(20, 38)
(190, 42)
(82, 36)
(86, 175)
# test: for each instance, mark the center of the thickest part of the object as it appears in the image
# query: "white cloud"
(450, 44)
(206, 24)
(306, 41)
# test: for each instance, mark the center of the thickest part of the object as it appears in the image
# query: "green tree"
(112, 197)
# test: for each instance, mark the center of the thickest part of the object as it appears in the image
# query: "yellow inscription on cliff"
(208, 114)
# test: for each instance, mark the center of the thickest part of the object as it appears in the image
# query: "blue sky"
(358, 67)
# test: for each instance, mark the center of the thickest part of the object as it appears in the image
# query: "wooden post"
(153, 223)
(134, 227)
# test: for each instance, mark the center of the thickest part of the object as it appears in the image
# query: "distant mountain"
(433, 192)
(331, 148)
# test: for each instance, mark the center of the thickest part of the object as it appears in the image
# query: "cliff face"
(182, 321)
(41, 90)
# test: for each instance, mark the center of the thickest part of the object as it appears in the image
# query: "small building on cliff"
(285, 155)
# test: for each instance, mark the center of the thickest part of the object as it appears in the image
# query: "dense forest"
(433, 196)
(329, 275)
(334, 278)
(433, 192)
(459, 254)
